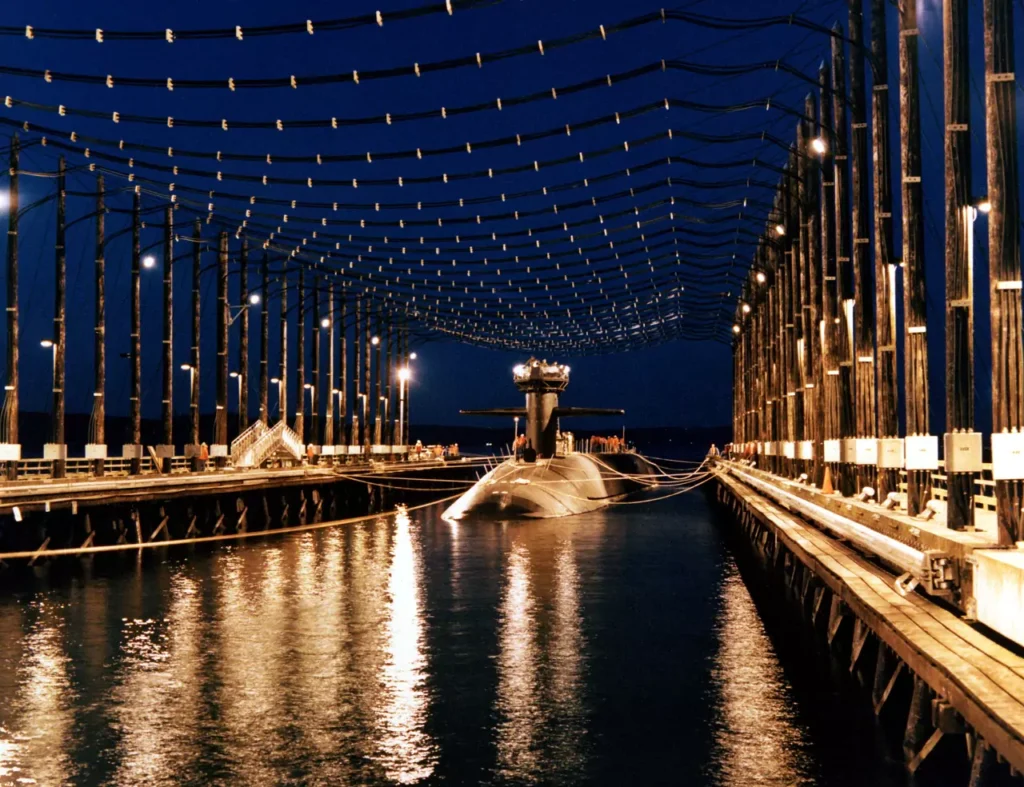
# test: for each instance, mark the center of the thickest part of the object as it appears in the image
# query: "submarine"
(551, 479)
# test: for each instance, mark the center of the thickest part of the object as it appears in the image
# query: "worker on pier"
(204, 455)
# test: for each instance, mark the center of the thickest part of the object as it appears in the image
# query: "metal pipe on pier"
(389, 409)
(377, 388)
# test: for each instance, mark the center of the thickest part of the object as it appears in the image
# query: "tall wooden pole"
(282, 387)
(300, 361)
(863, 280)
(243, 338)
(914, 293)
(959, 255)
(811, 219)
(844, 263)
(194, 360)
(332, 383)
(367, 380)
(830, 294)
(357, 435)
(135, 354)
(343, 398)
(220, 425)
(264, 338)
(1004, 258)
(389, 371)
(378, 436)
(168, 339)
(885, 267)
(97, 422)
(59, 469)
(10, 416)
(314, 404)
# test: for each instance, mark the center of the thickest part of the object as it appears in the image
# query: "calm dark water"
(615, 648)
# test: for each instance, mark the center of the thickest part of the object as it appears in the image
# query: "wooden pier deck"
(977, 681)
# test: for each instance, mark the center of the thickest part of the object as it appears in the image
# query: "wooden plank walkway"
(980, 678)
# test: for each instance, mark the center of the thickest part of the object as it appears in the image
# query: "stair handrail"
(246, 439)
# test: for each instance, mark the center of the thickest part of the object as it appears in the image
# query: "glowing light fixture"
(984, 205)
(746, 308)
(761, 278)
(326, 323)
(375, 341)
(149, 261)
(404, 374)
(47, 343)
(780, 229)
(819, 145)
(186, 367)
(518, 370)
(254, 298)
(735, 329)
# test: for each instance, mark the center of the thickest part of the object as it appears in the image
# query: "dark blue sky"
(679, 383)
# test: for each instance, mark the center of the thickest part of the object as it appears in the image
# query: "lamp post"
(403, 378)
(241, 415)
(194, 406)
(515, 436)
(279, 383)
(384, 420)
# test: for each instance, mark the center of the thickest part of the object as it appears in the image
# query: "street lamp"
(325, 322)
(312, 398)
(51, 344)
(149, 261)
(412, 356)
(515, 438)
(375, 340)
(403, 378)
(241, 415)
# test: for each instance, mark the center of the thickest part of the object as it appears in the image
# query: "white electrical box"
(832, 450)
(922, 452)
(805, 449)
(95, 451)
(355, 449)
(890, 453)
(760, 447)
(327, 450)
(131, 451)
(218, 451)
(10, 452)
(865, 451)
(164, 451)
(1007, 456)
(789, 450)
(963, 452)
(848, 450)
(55, 451)
(769, 449)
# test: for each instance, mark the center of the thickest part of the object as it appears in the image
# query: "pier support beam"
(194, 365)
(168, 339)
(300, 360)
(98, 417)
(264, 338)
(220, 424)
(135, 352)
(359, 402)
(282, 387)
(59, 337)
(343, 397)
(9, 423)
(332, 383)
(243, 337)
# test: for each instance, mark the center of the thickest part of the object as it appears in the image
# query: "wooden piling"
(10, 415)
(811, 219)
(863, 280)
(915, 309)
(367, 379)
(282, 387)
(300, 360)
(958, 254)
(332, 383)
(389, 372)
(243, 337)
(317, 383)
(98, 417)
(220, 423)
(887, 424)
(135, 353)
(168, 338)
(197, 249)
(830, 293)
(343, 398)
(59, 469)
(377, 408)
(358, 402)
(1004, 252)
(264, 388)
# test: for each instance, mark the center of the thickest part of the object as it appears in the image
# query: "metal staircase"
(259, 443)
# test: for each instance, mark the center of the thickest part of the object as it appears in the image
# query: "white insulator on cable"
(293, 81)
(625, 146)
(110, 81)
(355, 76)
(581, 156)
(419, 153)
(7, 102)
(355, 183)
(29, 32)
(334, 122)
(264, 180)
(444, 113)
(238, 32)
(416, 68)
(490, 172)
(169, 36)
(116, 117)
(387, 118)
(170, 122)
(170, 84)
(309, 182)
(62, 110)
(280, 125)
(445, 177)
(380, 20)
(369, 158)
(400, 183)
(88, 153)
(224, 125)
(231, 83)
(99, 36)
(309, 26)
(536, 166)
(448, 5)
(608, 79)
(479, 61)
(540, 46)
(469, 148)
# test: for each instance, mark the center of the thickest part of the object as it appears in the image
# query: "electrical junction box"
(355, 449)
(10, 452)
(327, 450)
(789, 449)
(832, 450)
(218, 451)
(95, 451)
(131, 451)
(865, 451)
(55, 451)
(848, 450)
(760, 447)
(164, 451)
(890, 453)
(1007, 456)
(805, 449)
(922, 452)
(769, 449)
(963, 452)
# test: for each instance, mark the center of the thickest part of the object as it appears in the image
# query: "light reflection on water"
(603, 649)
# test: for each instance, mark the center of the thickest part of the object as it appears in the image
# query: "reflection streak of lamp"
(408, 754)
(517, 671)
(757, 737)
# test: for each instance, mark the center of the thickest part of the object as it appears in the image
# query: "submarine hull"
(559, 486)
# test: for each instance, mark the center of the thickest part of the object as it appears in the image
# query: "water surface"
(619, 647)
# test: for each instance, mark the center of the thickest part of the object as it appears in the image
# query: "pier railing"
(984, 486)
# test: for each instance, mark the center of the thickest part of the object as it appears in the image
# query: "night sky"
(676, 383)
